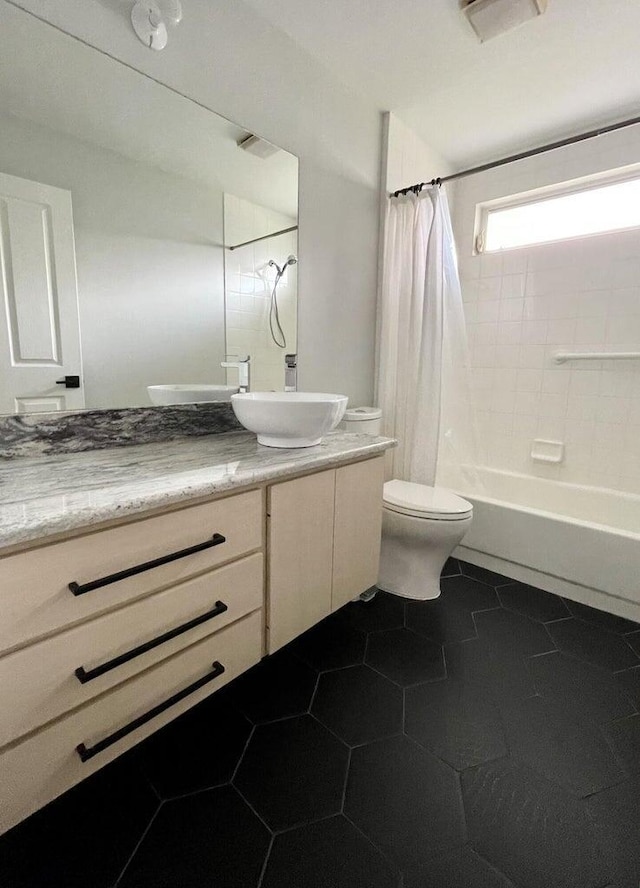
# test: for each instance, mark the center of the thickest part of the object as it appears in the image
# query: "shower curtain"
(423, 363)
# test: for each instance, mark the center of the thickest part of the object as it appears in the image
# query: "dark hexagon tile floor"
(597, 695)
(455, 721)
(358, 704)
(595, 645)
(462, 869)
(405, 657)
(531, 829)
(533, 603)
(328, 854)
(293, 771)
(561, 746)
(385, 611)
(212, 838)
(405, 800)
(278, 687)
(487, 739)
(193, 753)
(450, 617)
(332, 644)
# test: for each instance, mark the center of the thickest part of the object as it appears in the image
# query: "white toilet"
(421, 526)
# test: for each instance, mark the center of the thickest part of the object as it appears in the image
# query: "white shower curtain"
(423, 363)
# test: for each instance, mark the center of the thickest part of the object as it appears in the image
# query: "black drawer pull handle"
(84, 675)
(87, 753)
(78, 589)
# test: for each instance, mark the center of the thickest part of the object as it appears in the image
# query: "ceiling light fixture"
(490, 18)
(150, 19)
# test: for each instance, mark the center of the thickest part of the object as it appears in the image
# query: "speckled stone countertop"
(49, 495)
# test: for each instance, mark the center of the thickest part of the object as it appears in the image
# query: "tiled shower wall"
(248, 284)
(524, 305)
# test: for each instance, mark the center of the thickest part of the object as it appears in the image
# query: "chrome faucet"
(242, 365)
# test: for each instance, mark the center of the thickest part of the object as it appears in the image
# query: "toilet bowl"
(421, 526)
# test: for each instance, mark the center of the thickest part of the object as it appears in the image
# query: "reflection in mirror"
(261, 288)
(114, 196)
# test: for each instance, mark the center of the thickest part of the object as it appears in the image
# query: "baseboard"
(622, 607)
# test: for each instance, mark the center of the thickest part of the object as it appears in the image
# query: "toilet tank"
(362, 420)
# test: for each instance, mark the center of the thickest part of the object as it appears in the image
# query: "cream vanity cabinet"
(324, 545)
(108, 635)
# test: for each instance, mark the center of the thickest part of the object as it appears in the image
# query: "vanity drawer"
(43, 766)
(35, 599)
(40, 682)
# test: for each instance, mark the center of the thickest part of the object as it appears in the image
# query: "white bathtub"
(581, 542)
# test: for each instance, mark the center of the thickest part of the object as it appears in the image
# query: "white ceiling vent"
(490, 18)
(259, 147)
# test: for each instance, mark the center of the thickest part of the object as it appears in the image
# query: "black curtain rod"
(416, 189)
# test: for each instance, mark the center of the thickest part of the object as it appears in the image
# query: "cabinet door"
(300, 516)
(357, 529)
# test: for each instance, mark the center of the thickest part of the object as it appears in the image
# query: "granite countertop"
(49, 495)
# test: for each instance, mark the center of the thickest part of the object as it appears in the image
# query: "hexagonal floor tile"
(513, 635)
(552, 740)
(448, 618)
(592, 693)
(451, 568)
(616, 818)
(332, 644)
(385, 611)
(329, 854)
(462, 869)
(199, 750)
(83, 838)
(212, 838)
(532, 602)
(358, 704)
(293, 772)
(455, 721)
(405, 800)
(530, 829)
(280, 686)
(595, 645)
(629, 682)
(633, 638)
(478, 662)
(625, 737)
(405, 657)
(604, 619)
(489, 577)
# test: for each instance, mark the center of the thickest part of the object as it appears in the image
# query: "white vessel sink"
(289, 419)
(188, 393)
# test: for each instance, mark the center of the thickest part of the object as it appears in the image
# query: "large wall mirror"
(120, 201)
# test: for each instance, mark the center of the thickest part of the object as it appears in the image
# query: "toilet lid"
(425, 502)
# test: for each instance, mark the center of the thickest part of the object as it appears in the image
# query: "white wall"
(409, 159)
(227, 57)
(249, 281)
(524, 305)
(149, 258)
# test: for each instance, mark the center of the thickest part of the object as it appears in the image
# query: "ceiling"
(574, 67)
(50, 79)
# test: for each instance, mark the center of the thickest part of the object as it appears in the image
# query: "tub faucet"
(243, 366)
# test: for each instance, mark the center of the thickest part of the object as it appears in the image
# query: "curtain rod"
(416, 189)
(264, 237)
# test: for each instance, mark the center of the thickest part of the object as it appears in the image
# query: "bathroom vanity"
(138, 580)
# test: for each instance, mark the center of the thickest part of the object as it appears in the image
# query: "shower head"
(291, 260)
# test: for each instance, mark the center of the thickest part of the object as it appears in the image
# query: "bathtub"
(580, 542)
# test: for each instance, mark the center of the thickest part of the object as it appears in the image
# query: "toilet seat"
(422, 501)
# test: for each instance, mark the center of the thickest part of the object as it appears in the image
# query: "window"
(593, 209)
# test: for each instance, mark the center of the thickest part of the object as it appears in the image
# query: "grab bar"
(562, 357)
